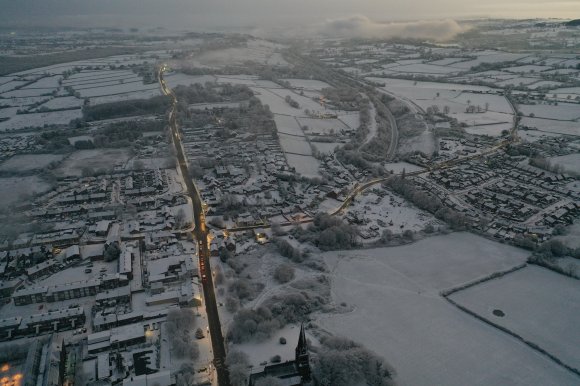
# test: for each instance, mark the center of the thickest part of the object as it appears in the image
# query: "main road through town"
(202, 236)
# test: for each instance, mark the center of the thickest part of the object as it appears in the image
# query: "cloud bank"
(362, 27)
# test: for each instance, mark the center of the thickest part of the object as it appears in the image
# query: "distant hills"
(573, 23)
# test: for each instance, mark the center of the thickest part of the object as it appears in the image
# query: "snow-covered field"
(13, 189)
(21, 121)
(63, 103)
(323, 126)
(326, 147)
(95, 159)
(552, 126)
(539, 305)
(263, 351)
(145, 94)
(27, 162)
(304, 165)
(399, 314)
(570, 162)
(118, 88)
(564, 111)
(176, 79)
(351, 119)
(257, 51)
(296, 145)
(308, 84)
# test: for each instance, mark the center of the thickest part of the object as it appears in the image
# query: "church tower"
(302, 357)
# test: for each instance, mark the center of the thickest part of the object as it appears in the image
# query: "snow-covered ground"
(262, 352)
(563, 111)
(539, 305)
(13, 189)
(399, 314)
(27, 162)
(21, 121)
(63, 103)
(95, 159)
(552, 126)
(570, 162)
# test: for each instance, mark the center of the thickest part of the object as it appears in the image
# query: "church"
(291, 373)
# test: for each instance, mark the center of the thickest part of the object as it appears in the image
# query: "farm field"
(542, 307)
(570, 162)
(399, 314)
(28, 162)
(95, 159)
(20, 121)
(552, 126)
(564, 111)
(14, 189)
(305, 165)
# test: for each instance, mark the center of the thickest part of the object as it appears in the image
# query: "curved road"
(202, 236)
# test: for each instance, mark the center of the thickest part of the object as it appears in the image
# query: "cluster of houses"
(17, 144)
(516, 197)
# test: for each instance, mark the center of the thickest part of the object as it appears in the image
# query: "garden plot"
(552, 126)
(323, 126)
(564, 111)
(93, 159)
(28, 162)
(399, 314)
(539, 305)
(14, 189)
(570, 162)
(21, 121)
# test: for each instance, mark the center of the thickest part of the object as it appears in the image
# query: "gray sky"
(203, 14)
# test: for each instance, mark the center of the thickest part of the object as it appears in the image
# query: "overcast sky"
(204, 14)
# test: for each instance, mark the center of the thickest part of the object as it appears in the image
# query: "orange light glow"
(5, 367)
(17, 376)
